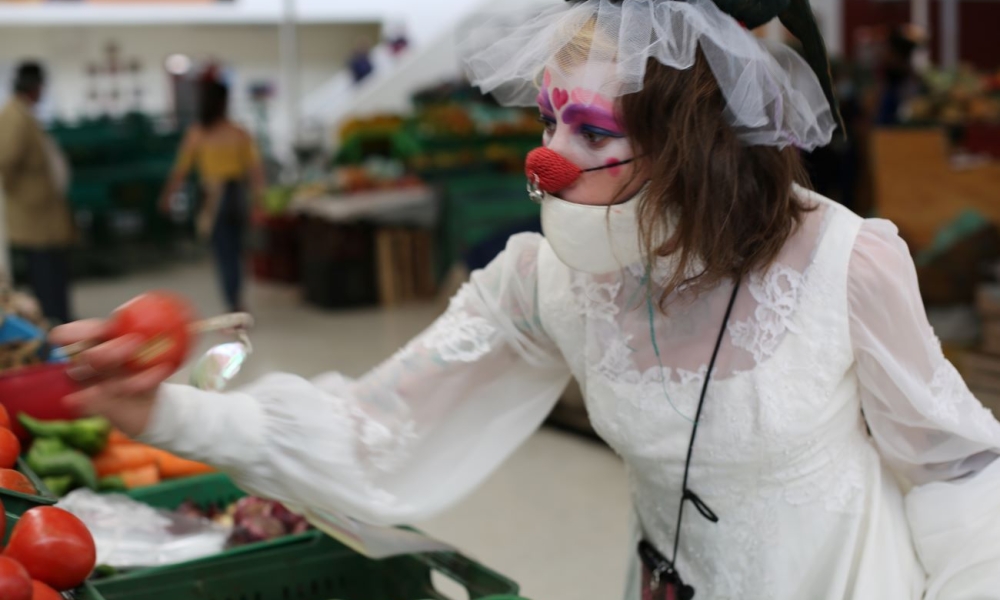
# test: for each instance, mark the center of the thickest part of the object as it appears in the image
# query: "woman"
(227, 162)
(691, 284)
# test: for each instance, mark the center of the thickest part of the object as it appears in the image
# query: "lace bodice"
(833, 329)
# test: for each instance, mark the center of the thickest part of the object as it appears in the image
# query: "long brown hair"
(733, 203)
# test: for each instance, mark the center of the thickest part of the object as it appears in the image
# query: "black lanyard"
(660, 566)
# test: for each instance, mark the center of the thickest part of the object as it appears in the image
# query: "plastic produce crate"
(318, 568)
(213, 489)
(15, 503)
(308, 566)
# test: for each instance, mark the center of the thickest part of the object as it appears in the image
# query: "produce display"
(375, 173)
(956, 97)
(88, 453)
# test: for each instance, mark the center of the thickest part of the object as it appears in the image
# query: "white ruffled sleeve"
(409, 438)
(927, 425)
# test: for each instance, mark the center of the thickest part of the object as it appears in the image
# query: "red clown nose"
(550, 171)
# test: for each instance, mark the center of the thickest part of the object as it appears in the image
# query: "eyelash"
(591, 135)
(548, 122)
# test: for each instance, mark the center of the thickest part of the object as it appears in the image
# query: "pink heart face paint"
(584, 127)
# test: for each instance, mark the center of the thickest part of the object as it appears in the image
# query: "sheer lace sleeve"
(407, 439)
(926, 423)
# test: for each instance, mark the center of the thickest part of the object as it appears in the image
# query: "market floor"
(554, 517)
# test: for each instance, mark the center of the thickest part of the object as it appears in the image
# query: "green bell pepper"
(88, 435)
(50, 458)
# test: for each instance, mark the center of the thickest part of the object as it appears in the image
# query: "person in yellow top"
(230, 173)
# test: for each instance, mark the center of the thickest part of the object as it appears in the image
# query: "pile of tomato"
(49, 551)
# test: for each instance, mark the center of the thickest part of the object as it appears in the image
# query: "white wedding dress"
(810, 505)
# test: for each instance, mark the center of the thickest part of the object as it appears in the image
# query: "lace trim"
(777, 294)
(948, 390)
(596, 300)
(459, 336)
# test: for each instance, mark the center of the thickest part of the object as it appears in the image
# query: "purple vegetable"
(251, 507)
(256, 529)
(288, 518)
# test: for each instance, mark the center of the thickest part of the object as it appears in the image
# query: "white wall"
(251, 51)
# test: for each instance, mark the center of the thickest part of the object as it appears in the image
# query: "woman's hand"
(125, 398)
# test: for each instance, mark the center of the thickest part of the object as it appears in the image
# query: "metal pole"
(289, 58)
(949, 34)
(920, 15)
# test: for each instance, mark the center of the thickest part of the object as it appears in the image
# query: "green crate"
(308, 566)
(317, 568)
(15, 503)
(212, 489)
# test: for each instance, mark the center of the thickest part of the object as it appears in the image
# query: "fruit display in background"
(955, 97)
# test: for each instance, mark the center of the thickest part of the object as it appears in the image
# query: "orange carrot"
(117, 437)
(140, 477)
(172, 467)
(123, 457)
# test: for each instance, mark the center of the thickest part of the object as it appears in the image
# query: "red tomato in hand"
(161, 320)
(10, 449)
(54, 546)
(15, 583)
(44, 592)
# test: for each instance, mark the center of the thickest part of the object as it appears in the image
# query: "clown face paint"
(583, 126)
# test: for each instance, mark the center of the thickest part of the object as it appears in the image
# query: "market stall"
(130, 522)
(402, 201)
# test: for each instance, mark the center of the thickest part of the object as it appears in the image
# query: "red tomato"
(10, 449)
(15, 481)
(44, 592)
(161, 320)
(54, 546)
(4, 417)
(15, 583)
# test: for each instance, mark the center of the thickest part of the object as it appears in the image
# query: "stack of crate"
(981, 367)
(405, 265)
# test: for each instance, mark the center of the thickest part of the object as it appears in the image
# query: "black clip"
(701, 506)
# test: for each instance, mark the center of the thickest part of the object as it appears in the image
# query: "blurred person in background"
(230, 172)
(900, 81)
(360, 62)
(35, 175)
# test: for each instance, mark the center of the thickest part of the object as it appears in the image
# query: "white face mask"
(593, 238)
